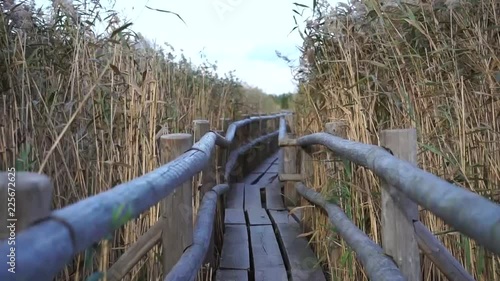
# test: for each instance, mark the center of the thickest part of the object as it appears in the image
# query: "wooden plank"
(274, 198)
(267, 167)
(231, 275)
(262, 168)
(266, 255)
(235, 196)
(281, 217)
(252, 197)
(273, 168)
(273, 158)
(299, 256)
(267, 178)
(235, 251)
(251, 178)
(258, 217)
(134, 253)
(295, 213)
(271, 274)
(234, 216)
(398, 234)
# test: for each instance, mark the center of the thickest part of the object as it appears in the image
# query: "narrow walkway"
(260, 238)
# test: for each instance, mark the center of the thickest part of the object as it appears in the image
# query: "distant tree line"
(285, 101)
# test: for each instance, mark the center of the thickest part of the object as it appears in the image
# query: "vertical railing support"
(338, 129)
(208, 179)
(241, 138)
(265, 145)
(290, 121)
(222, 152)
(398, 234)
(253, 158)
(292, 198)
(307, 173)
(201, 127)
(26, 197)
(177, 208)
(274, 141)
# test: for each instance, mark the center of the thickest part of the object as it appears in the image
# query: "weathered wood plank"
(258, 217)
(177, 208)
(268, 178)
(234, 216)
(271, 159)
(262, 168)
(271, 274)
(135, 252)
(235, 196)
(274, 198)
(235, 251)
(281, 217)
(267, 259)
(32, 191)
(261, 178)
(252, 197)
(251, 178)
(231, 275)
(302, 262)
(290, 167)
(295, 213)
(267, 167)
(398, 234)
(273, 168)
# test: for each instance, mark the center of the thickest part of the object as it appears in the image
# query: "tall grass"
(434, 67)
(87, 108)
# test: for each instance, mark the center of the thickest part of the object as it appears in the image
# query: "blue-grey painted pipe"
(466, 211)
(45, 248)
(378, 266)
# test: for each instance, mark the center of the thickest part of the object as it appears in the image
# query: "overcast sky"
(241, 35)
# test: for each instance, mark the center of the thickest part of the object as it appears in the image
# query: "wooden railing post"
(201, 127)
(338, 129)
(290, 122)
(25, 198)
(222, 152)
(208, 180)
(253, 158)
(177, 208)
(398, 234)
(265, 145)
(307, 173)
(241, 139)
(274, 141)
(292, 198)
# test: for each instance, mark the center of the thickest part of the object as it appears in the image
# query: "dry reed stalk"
(101, 101)
(413, 66)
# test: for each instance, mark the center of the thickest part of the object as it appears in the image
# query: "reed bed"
(431, 66)
(87, 108)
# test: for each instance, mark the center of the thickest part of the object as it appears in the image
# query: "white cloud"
(235, 33)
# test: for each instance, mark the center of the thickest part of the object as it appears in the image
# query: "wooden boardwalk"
(260, 237)
(261, 241)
